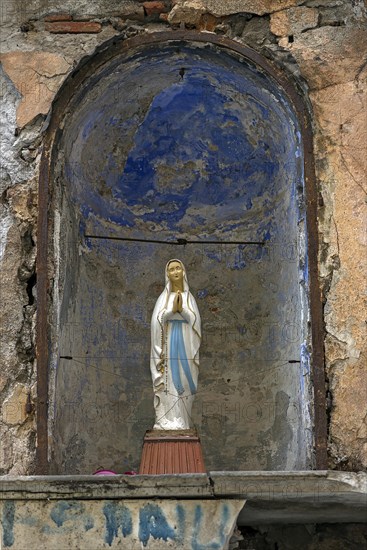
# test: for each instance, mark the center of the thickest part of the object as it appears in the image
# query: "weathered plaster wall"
(323, 43)
(18, 208)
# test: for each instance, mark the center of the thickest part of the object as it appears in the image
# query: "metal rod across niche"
(177, 242)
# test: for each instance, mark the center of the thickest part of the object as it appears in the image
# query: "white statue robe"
(175, 339)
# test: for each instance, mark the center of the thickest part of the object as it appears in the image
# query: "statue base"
(172, 452)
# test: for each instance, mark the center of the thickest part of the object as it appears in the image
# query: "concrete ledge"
(119, 523)
(272, 497)
(296, 497)
(102, 487)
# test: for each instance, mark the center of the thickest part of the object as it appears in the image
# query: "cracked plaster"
(37, 77)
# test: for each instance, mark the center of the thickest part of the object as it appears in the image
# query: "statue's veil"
(162, 301)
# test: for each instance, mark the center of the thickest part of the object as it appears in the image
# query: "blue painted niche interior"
(177, 141)
(182, 141)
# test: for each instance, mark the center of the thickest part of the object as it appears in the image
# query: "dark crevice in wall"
(3, 197)
(28, 278)
(31, 283)
(314, 535)
(333, 263)
(333, 24)
(329, 405)
(24, 346)
(328, 395)
(27, 241)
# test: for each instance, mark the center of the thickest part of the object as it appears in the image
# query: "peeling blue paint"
(238, 263)
(214, 545)
(152, 522)
(225, 516)
(211, 138)
(305, 365)
(181, 523)
(88, 524)
(8, 523)
(29, 521)
(71, 511)
(46, 529)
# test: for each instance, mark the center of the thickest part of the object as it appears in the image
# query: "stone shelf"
(271, 497)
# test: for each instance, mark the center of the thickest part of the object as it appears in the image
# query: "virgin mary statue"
(175, 339)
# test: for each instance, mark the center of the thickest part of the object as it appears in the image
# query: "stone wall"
(321, 43)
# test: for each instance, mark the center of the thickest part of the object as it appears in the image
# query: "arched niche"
(191, 138)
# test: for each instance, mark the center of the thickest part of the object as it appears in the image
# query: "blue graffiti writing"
(75, 511)
(152, 522)
(181, 518)
(195, 544)
(117, 517)
(8, 523)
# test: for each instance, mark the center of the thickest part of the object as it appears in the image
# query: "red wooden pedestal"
(172, 452)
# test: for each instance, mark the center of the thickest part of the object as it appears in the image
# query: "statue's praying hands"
(177, 303)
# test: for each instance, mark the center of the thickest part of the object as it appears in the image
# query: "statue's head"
(175, 272)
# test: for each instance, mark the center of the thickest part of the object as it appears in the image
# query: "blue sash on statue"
(178, 354)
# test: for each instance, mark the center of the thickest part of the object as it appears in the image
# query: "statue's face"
(175, 272)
